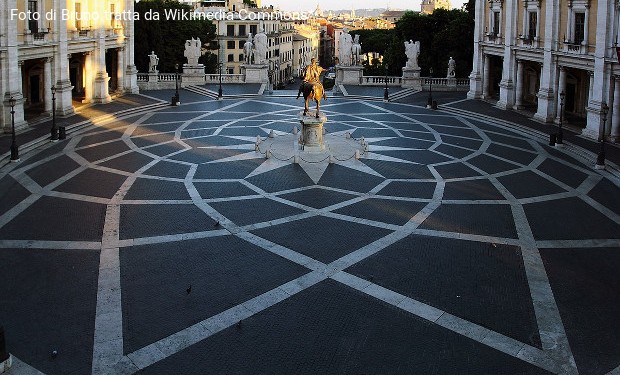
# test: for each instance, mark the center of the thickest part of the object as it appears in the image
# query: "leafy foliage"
(167, 37)
(442, 34)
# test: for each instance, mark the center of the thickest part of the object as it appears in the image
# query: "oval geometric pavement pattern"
(167, 244)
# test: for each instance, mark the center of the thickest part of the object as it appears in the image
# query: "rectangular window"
(33, 25)
(253, 29)
(242, 30)
(496, 17)
(231, 58)
(113, 16)
(241, 57)
(230, 30)
(533, 18)
(230, 44)
(78, 16)
(241, 43)
(580, 21)
(230, 70)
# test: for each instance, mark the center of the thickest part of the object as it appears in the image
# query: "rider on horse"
(311, 77)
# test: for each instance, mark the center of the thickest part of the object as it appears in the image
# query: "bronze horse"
(312, 91)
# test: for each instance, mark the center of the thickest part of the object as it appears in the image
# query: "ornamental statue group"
(350, 50)
(255, 49)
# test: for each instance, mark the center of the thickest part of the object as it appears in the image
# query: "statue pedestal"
(255, 73)
(153, 83)
(411, 78)
(349, 75)
(311, 138)
(193, 75)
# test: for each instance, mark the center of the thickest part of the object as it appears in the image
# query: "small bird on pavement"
(189, 289)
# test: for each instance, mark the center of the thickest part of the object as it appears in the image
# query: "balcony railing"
(574, 47)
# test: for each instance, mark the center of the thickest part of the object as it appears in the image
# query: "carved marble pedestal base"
(193, 75)
(411, 78)
(256, 73)
(311, 139)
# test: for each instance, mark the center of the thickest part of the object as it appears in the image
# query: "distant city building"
(428, 6)
(392, 15)
(84, 60)
(291, 44)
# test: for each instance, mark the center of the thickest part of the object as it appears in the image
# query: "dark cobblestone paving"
(168, 244)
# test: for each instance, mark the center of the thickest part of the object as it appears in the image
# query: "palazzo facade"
(82, 48)
(528, 52)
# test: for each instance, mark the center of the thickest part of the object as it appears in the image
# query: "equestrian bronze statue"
(311, 87)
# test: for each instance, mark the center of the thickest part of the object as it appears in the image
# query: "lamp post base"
(14, 153)
(600, 160)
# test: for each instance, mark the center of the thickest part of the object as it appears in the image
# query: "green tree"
(442, 34)
(167, 36)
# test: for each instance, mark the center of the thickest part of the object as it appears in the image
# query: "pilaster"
(475, 78)
(64, 98)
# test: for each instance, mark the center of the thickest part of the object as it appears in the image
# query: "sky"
(297, 5)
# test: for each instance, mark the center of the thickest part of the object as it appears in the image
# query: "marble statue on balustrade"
(153, 62)
(451, 68)
(356, 51)
(193, 51)
(260, 47)
(346, 43)
(412, 50)
(248, 48)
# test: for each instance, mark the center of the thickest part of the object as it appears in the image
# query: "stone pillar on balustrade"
(153, 82)
(411, 78)
(193, 75)
(255, 73)
(349, 74)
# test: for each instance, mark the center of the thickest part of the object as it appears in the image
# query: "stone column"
(100, 83)
(87, 74)
(614, 135)
(20, 78)
(47, 85)
(520, 78)
(548, 73)
(120, 70)
(561, 89)
(602, 78)
(131, 73)
(486, 81)
(509, 28)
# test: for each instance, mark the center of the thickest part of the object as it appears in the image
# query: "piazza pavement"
(163, 240)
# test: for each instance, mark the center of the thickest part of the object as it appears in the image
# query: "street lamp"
(14, 147)
(429, 102)
(277, 74)
(176, 98)
(558, 141)
(220, 92)
(600, 160)
(386, 96)
(54, 127)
